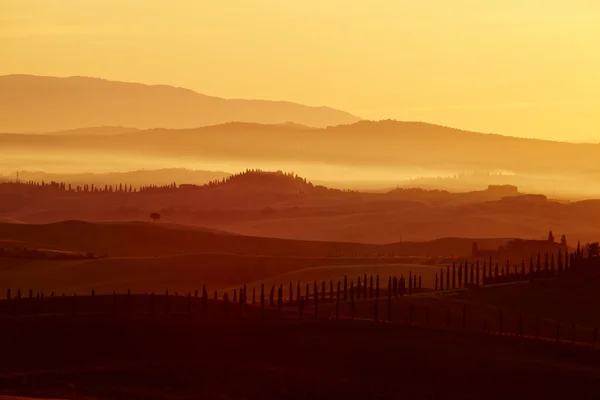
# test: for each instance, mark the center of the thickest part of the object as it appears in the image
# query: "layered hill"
(389, 151)
(258, 203)
(75, 102)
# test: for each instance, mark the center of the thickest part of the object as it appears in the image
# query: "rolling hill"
(75, 102)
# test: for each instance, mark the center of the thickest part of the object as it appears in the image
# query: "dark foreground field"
(182, 357)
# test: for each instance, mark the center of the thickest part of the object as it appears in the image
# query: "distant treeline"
(287, 180)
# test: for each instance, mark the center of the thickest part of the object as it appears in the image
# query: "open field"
(181, 358)
(188, 272)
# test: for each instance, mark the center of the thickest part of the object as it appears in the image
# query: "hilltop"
(75, 102)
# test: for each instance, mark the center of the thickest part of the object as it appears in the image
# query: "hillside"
(75, 102)
(276, 204)
(390, 152)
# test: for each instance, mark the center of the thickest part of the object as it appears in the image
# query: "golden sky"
(516, 67)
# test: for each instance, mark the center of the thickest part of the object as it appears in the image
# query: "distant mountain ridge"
(75, 102)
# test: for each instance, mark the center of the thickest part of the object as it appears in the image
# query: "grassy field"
(570, 299)
(189, 272)
(184, 358)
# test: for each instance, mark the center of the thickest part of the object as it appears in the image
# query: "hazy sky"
(519, 67)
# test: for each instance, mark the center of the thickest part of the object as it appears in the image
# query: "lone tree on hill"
(154, 216)
(563, 241)
(551, 237)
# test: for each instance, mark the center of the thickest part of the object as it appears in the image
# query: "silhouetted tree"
(484, 273)
(531, 265)
(154, 216)
(550, 237)
(563, 242)
(331, 290)
(272, 296)
(436, 282)
(298, 291)
(560, 261)
(377, 287)
(345, 288)
(337, 297)
(453, 275)
(262, 301)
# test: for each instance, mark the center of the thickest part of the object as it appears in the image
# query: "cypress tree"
(272, 296)
(414, 283)
(394, 286)
(345, 287)
(316, 295)
(337, 297)
(331, 290)
(484, 276)
(204, 298)
(307, 295)
(472, 277)
(390, 300)
(453, 275)
(279, 299)
(352, 308)
(262, 302)
(377, 287)
(226, 303)
(531, 265)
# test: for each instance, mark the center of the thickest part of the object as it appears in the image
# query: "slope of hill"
(75, 102)
(386, 151)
